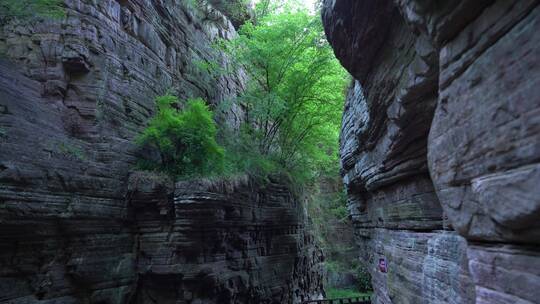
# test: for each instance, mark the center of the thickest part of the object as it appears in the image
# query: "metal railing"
(353, 300)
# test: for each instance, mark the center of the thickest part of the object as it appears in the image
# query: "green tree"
(185, 139)
(295, 98)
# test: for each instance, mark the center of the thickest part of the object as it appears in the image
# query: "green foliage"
(334, 293)
(328, 209)
(240, 157)
(364, 279)
(264, 8)
(337, 205)
(362, 276)
(293, 101)
(295, 98)
(209, 67)
(28, 9)
(328, 213)
(195, 4)
(185, 139)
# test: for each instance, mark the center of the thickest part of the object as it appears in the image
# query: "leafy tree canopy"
(293, 104)
(295, 97)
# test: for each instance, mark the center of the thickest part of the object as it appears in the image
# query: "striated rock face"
(233, 241)
(73, 95)
(440, 146)
(237, 11)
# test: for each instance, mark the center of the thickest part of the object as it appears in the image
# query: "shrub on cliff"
(27, 9)
(185, 139)
(364, 279)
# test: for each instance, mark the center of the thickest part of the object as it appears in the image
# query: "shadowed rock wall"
(440, 146)
(73, 95)
(233, 241)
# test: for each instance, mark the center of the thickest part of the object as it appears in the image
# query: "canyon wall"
(230, 241)
(75, 225)
(440, 146)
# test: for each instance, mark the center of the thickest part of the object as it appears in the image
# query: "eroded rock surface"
(73, 95)
(233, 241)
(439, 145)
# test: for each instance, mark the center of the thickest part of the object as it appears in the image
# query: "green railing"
(353, 300)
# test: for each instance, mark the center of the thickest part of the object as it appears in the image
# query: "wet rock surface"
(439, 146)
(75, 226)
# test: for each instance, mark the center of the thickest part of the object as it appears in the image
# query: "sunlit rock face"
(440, 146)
(74, 93)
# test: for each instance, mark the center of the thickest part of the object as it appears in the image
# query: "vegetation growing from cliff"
(295, 96)
(293, 104)
(331, 225)
(26, 9)
(185, 139)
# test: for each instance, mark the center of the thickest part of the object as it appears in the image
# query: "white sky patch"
(310, 4)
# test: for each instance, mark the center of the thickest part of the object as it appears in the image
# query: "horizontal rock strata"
(439, 146)
(74, 93)
(233, 241)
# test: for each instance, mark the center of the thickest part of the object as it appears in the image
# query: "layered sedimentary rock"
(74, 92)
(232, 241)
(439, 146)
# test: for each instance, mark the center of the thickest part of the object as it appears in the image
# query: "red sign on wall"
(383, 267)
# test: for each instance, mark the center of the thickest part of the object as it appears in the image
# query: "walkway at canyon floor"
(353, 300)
